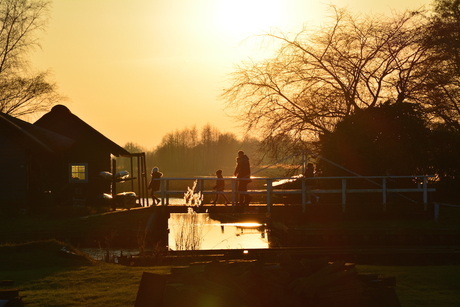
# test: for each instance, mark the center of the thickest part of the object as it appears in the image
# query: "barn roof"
(33, 138)
(64, 122)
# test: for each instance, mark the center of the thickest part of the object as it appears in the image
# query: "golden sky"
(138, 69)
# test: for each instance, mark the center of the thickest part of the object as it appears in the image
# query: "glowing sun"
(245, 17)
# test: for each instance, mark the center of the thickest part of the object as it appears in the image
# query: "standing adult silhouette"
(243, 173)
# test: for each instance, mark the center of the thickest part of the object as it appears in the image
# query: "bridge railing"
(271, 187)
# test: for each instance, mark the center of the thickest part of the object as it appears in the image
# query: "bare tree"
(23, 91)
(443, 40)
(319, 76)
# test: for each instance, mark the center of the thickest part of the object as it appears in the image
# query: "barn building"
(56, 161)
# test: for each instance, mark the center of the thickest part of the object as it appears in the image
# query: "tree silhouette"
(22, 91)
(385, 139)
(190, 152)
(320, 76)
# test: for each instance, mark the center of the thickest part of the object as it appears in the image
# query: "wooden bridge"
(282, 191)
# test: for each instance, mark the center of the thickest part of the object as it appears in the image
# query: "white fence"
(419, 185)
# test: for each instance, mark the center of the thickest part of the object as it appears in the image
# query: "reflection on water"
(197, 231)
(193, 231)
(170, 200)
(108, 255)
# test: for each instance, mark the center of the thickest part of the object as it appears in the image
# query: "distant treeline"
(193, 152)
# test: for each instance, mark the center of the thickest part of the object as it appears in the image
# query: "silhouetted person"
(243, 171)
(154, 183)
(219, 187)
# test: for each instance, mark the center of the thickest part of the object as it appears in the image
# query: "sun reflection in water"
(203, 233)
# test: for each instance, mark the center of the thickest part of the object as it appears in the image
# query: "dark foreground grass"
(54, 274)
(433, 286)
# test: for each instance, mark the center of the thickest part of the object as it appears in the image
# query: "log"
(308, 282)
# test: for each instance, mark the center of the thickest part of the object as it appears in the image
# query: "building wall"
(90, 191)
(13, 173)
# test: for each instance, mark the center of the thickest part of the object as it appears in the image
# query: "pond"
(197, 231)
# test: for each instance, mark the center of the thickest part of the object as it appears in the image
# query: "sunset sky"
(138, 69)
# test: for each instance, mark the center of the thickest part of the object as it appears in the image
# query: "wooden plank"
(301, 284)
(9, 294)
(6, 283)
(151, 290)
(340, 291)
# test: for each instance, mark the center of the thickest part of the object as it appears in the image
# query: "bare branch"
(23, 92)
(320, 76)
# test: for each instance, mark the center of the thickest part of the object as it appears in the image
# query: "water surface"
(197, 231)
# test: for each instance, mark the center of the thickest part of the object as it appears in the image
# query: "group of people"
(242, 173)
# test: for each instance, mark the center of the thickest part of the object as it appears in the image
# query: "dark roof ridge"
(61, 120)
(24, 132)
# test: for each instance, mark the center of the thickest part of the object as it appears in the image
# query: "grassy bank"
(53, 274)
(102, 226)
(433, 286)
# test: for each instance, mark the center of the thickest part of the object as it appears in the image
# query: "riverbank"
(54, 274)
(122, 234)
(127, 228)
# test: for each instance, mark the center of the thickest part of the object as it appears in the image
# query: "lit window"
(79, 172)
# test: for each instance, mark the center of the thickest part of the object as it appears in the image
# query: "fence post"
(200, 186)
(163, 191)
(436, 212)
(384, 196)
(233, 193)
(344, 193)
(425, 193)
(269, 195)
(304, 195)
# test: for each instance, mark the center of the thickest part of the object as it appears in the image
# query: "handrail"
(437, 207)
(270, 188)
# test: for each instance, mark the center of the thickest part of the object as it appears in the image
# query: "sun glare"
(237, 18)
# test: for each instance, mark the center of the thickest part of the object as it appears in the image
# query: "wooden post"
(139, 182)
(151, 290)
(114, 182)
(436, 212)
(269, 195)
(304, 161)
(425, 193)
(200, 185)
(384, 194)
(131, 165)
(233, 193)
(144, 182)
(344, 193)
(304, 195)
(162, 193)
